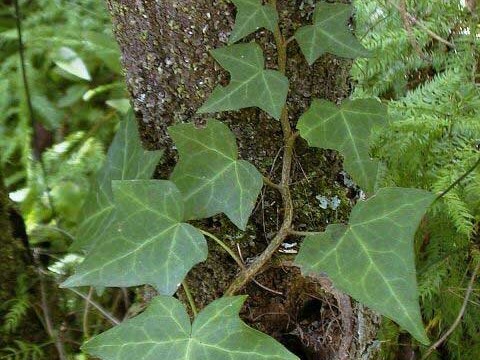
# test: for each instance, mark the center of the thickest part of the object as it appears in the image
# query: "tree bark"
(165, 48)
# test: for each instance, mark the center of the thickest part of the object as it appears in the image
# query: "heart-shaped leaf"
(251, 16)
(329, 34)
(164, 332)
(372, 258)
(126, 160)
(209, 175)
(147, 243)
(346, 129)
(250, 84)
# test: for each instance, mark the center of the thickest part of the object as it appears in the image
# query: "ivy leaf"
(372, 258)
(329, 34)
(164, 331)
(250, 84)
(126, 160)
(252, 15)
(209, 175)
(346, 129)
(147, 244)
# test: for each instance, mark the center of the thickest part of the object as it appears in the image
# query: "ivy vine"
(371, 258)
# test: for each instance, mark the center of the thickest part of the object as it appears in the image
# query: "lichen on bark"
(165, 48)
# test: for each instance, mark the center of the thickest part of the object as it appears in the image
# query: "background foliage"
(434, 140)
(77, 92)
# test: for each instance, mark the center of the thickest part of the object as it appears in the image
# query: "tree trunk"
(169, 74)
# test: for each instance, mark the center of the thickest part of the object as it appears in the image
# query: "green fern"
(22, 351)
(16, 309)
(431, 142)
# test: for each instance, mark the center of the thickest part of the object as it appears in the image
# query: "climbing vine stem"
(289, 142)
(190, 298)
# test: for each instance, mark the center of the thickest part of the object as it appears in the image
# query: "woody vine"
(371, 258)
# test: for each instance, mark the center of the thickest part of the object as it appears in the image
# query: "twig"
(413, 20)
(459, 316)
(289, 138)
(52, 333)
(304, 233)
(402, 9)
(289, 40)
(37, 156)
(459, 180)
(186, 289)
(104, 312)
(270, 183)
(264, 287)
(85, 314)
(238, 259)
(473, 44)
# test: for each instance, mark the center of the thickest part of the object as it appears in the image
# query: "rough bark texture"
(169, 73)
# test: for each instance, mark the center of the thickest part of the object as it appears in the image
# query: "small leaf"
(69, 61)
(250, 84)
(164, 332)
(346, 129)
(147, 243)
(209, 175)
(329, 34)
(121, 105)
(126, 160)
(372, 258)
(252, 15)
(104, 47)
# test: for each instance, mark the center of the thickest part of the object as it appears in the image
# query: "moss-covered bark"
(169, 74)
(12, 254)
(14, 263)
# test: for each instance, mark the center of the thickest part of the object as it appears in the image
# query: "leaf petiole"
(190, 298)
(224, 247)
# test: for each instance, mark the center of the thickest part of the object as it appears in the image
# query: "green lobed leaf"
(164, 331)
(68, 60)
(329, 34)
(250, 84)
(372, 258)
(210, 176)
(252, 15)
(126, 160)
(147, 243)
(347, 129)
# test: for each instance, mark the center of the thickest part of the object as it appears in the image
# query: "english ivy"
(126, 160)
(164, 331)
(329, 34)
(370, 258)
(131, 253)
(346, 128)
(252, 15)
(209, 175)
(250, 84)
